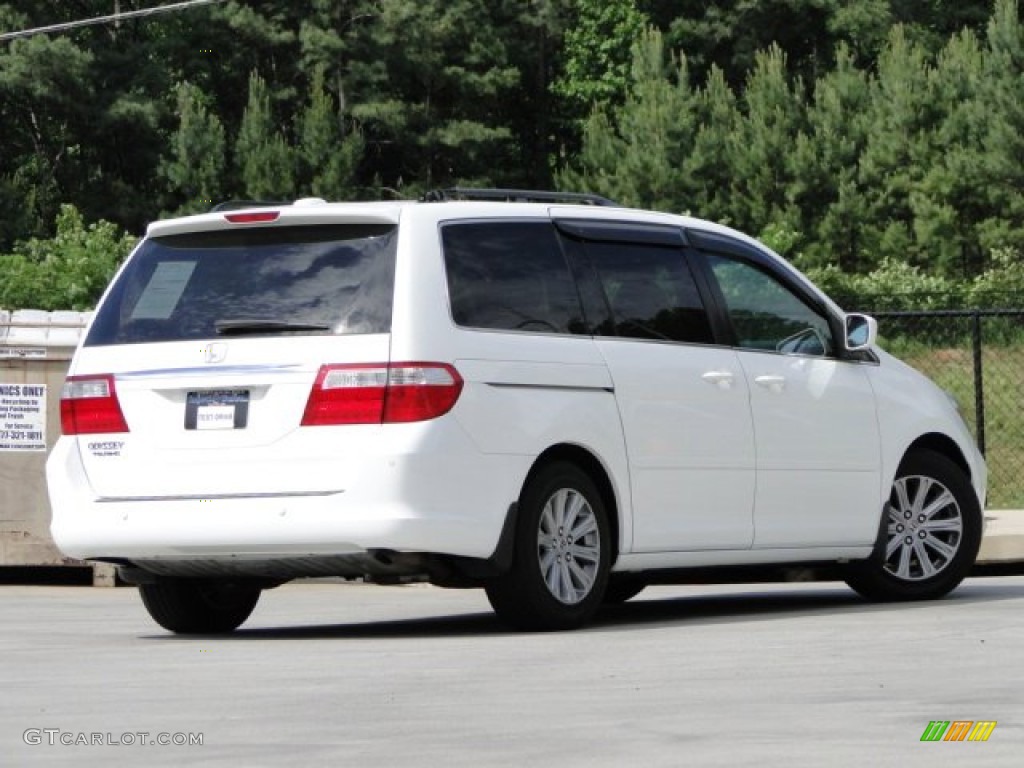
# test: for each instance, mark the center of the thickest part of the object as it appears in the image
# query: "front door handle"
(773, 383)
(721, 379)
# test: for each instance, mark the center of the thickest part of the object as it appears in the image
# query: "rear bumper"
(404, 503)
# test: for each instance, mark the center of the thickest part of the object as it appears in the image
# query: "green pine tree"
(774, 115)
(330, 154)
(896, 152)
(953, 197)
(263, 157)
(195, 168)
(824, 161)
(1002, 93)
(636, 153)
(709, 165)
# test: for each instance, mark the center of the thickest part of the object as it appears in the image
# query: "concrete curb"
(1003, 540)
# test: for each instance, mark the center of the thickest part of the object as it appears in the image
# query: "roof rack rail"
(514, 196)
(237, 205)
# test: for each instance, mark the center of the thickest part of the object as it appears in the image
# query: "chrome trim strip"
(221, 496)
(558, 387)
(213, 368)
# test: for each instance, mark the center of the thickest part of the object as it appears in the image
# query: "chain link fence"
(977, 355)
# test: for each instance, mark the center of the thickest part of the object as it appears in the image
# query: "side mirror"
(861, 332)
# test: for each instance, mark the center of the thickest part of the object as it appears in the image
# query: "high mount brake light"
(253, 217)
(89, 405)
(381, 393)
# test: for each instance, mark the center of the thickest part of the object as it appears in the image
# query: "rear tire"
(930, 535)
(197, 606)
(562, 554)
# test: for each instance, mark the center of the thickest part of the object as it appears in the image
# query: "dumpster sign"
(22, 417)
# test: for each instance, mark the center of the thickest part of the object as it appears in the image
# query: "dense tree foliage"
(596, 52)
(730, 33)
(915, 159)
(852, 135)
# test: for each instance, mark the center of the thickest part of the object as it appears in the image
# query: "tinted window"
(651, 293)
(767, 315)
(323, 279)
(510, 276)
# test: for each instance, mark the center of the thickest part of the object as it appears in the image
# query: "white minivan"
(540, 394)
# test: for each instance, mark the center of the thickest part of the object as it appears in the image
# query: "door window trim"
(705, 242)
(597, 306)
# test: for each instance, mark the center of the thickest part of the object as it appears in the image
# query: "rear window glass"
(651, 293)
(332, 279)
(510, 276)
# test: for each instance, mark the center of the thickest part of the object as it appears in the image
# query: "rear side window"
(651, 293)
(510, 276)
(331, 279)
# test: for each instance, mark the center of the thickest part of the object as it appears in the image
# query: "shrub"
(69, 271)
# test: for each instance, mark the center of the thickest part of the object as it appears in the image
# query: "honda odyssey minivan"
(542, 395)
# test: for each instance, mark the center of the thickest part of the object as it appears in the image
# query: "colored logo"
(958, 730)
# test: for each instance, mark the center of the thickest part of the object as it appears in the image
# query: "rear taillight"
(381, 393)
(88, 406)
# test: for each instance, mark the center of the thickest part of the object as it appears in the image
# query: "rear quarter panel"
(524, 392)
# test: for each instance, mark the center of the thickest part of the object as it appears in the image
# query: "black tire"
(197, 606)
(929, 536)
(621, 589)
(572, 559)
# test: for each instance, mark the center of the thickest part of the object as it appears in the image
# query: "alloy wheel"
(925, 528)
(569, 546)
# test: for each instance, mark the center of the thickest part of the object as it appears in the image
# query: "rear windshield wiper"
(240, 327)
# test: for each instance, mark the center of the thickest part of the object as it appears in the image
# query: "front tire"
(199, 606)
(562, 554)
(930, 536)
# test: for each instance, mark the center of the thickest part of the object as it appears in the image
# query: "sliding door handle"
(721, 379)
(773, 383)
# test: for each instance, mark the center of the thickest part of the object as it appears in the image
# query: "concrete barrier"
(35, 349)
(1003, 540)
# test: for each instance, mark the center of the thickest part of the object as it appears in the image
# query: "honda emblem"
(215, 352)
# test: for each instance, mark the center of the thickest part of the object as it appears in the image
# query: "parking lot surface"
(352, 675)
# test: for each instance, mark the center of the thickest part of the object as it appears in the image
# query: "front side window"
(330, 279)
(651, 293)
(510, 276)
(765, 314)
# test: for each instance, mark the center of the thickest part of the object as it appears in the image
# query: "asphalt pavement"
(802, 674)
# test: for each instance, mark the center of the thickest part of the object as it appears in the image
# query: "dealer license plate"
(217, 409)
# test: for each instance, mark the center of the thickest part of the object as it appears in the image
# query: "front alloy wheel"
(930, 535)
(925, 528)
(562, 553)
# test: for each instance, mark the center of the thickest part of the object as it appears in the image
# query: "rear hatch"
(209, 344)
